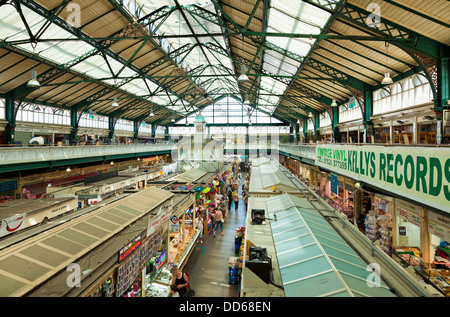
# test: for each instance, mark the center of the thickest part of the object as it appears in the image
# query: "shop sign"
(420, 174)
(333, 182)
(154, 222)
(174, 224)
(439, 225)
(130, 247)
(407, 215)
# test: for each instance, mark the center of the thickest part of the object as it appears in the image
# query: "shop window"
(427, 133)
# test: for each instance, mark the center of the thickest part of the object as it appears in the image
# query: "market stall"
(378, 222)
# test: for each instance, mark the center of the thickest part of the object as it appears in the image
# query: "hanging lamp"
(115, 104)
(33, 82)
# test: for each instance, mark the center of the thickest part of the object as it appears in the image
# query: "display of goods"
(413, 260)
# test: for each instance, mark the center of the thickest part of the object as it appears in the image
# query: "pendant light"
(246, 101)
(115, 104)
(151, 113)
(33, 82)
(68, 170)
(387, 80)
(334, 104)
(243, 76)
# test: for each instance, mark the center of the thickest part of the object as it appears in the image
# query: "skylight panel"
(288, 16)
(136, 87)
(13, 29)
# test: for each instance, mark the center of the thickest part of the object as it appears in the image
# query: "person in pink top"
(219, 221)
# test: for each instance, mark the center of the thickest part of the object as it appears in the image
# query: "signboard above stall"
(419, 174)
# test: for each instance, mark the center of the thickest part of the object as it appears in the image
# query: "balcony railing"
(10, 155)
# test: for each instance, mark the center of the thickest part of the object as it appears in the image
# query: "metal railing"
(9, 155)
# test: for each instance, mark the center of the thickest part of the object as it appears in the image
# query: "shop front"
(415, 237)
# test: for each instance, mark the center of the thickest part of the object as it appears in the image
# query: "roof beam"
(391, 31)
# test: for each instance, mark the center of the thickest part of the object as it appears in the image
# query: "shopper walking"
(230, 199)
(219, 222)
(199, 226)
(236, 200)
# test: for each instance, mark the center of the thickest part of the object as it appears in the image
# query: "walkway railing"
(10, 155)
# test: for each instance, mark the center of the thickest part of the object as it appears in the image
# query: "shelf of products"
(181, 245)
(105, 289)
(385, 232)
(371, 225)
(378, 224)
(156, 271)
(407, 256)
(438, 278)
(158, 290)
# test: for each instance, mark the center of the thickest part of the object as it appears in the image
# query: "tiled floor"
(208, 264)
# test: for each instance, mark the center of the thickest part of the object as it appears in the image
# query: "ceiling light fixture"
(151, 113)
(115, 104)
(33, 82)
(310, 115)
(334, 104)
(246, 101)
(387, 79)
(68, 170)
(243, 76)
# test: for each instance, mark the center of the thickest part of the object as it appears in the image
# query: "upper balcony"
(31, 157)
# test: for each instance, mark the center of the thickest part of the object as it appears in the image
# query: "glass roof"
(314, 260)
(175, 24)
(284, 16)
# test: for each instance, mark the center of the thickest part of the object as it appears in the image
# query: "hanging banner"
(408, 215)
(154, 222)
(439, 225)
(420, 174)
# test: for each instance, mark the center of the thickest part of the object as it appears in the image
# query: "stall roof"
(108, 181)
(265, 176)
(260, 161)
(31, 262)
(21, 206)
(314, 260)
(190, 176)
